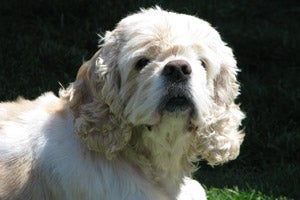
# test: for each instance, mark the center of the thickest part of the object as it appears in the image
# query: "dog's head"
(155, 64)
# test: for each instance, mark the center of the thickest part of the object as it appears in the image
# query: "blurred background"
(43, 42)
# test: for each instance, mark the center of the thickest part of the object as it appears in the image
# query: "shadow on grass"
(272, 181)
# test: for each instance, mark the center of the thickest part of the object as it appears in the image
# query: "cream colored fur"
(105, 136)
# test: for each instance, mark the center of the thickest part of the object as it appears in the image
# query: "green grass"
(273, 180)
(236, 194)
(44, 42)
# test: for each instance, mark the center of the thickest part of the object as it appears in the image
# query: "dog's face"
(166, 65)
(160, 68)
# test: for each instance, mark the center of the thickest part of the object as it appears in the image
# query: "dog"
(158, 96)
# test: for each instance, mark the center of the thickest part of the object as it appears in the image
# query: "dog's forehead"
(164, 26)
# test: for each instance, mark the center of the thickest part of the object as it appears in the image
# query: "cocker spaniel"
(157, 97)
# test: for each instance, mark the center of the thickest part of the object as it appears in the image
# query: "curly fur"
(125, 146)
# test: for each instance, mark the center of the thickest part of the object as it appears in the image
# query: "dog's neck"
(162, 151)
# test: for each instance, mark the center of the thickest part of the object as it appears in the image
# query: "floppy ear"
(93, 100)
(226, 87)
(220, 137)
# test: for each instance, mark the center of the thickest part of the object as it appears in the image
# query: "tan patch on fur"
(56, 107)
(10, 111)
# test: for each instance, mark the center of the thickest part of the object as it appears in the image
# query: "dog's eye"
(141, 63)
(203, 64)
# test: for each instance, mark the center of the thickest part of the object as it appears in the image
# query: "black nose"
(177, 70)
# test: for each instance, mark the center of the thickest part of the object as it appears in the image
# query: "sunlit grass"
(236, 194)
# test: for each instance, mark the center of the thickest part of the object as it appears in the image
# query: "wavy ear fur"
(220, 137)
(92, 99)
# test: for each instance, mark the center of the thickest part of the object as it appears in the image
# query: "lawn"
(44, 42)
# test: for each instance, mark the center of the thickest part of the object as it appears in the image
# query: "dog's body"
(42, 158)
(140, 112)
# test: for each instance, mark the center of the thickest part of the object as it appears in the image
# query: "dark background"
(44, 42)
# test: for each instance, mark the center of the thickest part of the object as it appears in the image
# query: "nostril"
(186, 69)
(169, 70)
(177, 69)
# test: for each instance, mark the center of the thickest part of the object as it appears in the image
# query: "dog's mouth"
(176, 101)
(176, 106)
(180, 103)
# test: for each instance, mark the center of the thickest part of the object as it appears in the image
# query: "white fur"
(105, 137)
